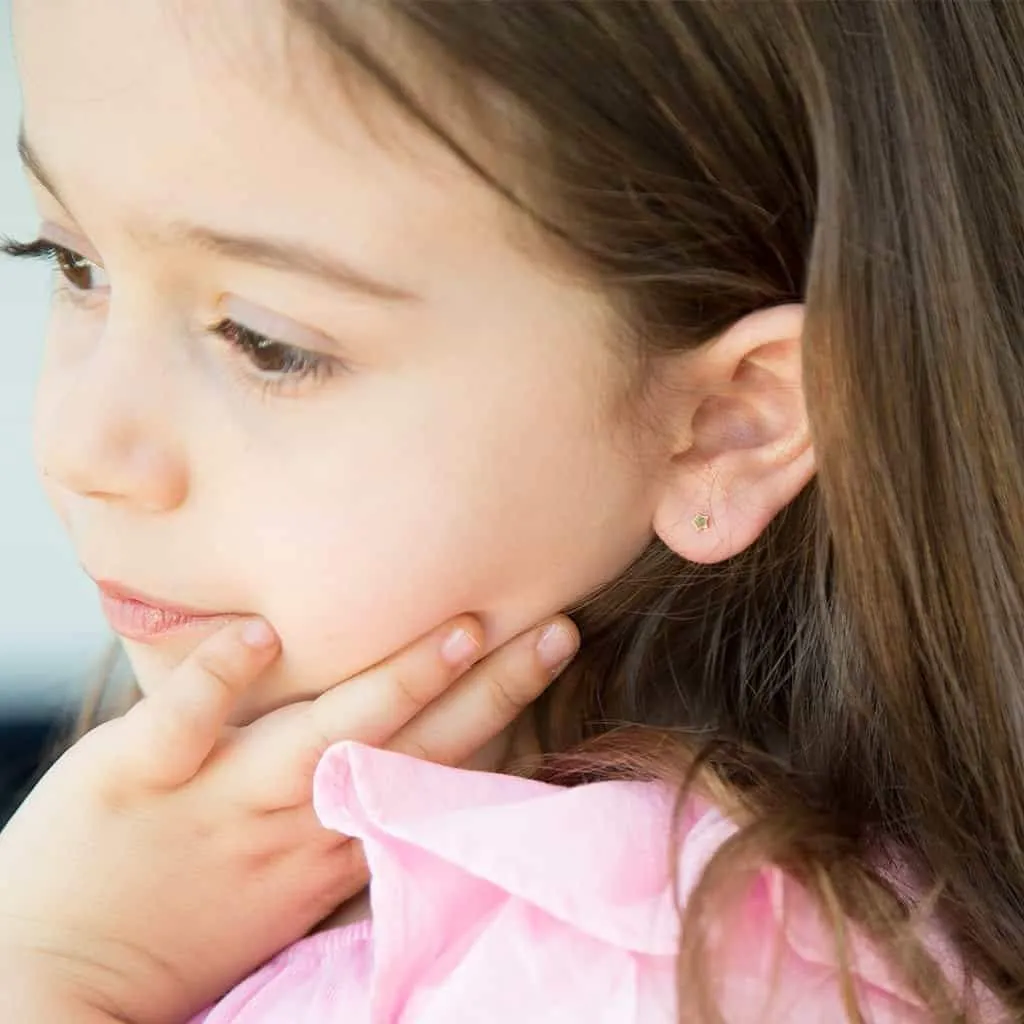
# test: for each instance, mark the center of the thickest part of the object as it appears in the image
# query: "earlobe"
(707, 519)
(747, 452)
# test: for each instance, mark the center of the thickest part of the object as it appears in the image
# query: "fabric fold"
(595, 857)
(506, 899)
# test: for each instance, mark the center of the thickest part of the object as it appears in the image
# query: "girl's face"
(444, 441)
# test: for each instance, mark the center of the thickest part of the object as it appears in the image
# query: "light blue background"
(51, 628)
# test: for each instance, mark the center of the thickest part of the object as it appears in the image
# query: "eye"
(277, 364)
(275, 359)
(80, 273)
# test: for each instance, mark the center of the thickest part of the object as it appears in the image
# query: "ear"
(743, 450)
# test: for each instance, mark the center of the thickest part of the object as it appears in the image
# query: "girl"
(704, 321)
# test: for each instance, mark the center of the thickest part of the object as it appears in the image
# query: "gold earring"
(702, 521)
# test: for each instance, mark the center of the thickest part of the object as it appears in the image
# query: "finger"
(490, 697)
(276, 758)
(169, 734)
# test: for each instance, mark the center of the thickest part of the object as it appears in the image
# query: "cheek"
(361, 574)
(512, 528)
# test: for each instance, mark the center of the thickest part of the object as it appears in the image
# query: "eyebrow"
(276, 254)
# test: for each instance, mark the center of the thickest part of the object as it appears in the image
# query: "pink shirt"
(511, 901)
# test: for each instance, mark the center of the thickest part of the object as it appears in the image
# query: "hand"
(166, 855)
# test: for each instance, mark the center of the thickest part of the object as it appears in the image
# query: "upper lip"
(120, 592)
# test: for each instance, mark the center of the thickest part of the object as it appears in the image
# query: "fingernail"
(556, 647)
(258, 635)
(459, 648)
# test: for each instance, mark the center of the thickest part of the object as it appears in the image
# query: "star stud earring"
(702, 521)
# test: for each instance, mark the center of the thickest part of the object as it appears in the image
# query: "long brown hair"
(853, 680)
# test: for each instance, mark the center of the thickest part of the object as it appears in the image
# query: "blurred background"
(52, 633)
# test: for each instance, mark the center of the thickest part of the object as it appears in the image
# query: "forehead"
(222, 112)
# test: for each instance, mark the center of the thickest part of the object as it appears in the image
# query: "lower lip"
(134, 620)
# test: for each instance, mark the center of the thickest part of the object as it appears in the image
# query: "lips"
(119, 592)
(138, 616)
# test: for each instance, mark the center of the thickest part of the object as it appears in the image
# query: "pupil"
(270, 358)
(77, 270)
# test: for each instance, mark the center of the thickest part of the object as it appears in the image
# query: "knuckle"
(328, 843)
(412, 747)
(320, 740)
(310, 733)
(407, 691)
(506, 697)
(217, 668)
(261, 860)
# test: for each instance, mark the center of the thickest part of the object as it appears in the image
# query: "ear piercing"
(702, 521)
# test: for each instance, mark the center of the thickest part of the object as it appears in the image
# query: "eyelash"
(301, 365)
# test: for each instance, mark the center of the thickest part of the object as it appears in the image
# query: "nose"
(103, 426)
